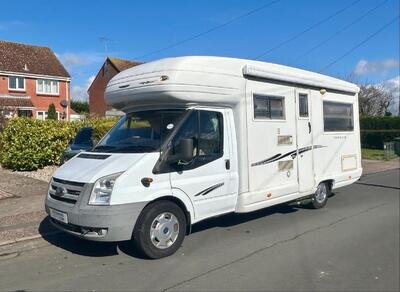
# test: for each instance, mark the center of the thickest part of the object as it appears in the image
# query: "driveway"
(352, 244)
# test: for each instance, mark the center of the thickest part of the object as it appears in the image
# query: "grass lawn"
(375, 154)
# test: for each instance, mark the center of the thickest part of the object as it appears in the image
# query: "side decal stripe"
(291, 153)
(208, 190)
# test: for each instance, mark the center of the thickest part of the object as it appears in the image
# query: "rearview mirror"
(184, 150)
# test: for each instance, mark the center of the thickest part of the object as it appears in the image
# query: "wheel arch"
(180, 204)
(329, 182)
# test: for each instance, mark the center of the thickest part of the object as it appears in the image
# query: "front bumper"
(99, 223)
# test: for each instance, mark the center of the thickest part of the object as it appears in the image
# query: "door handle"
(227, 164)
(309, 127)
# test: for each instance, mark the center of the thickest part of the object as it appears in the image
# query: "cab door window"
(206, 130)
(210, 141)
(189, 130)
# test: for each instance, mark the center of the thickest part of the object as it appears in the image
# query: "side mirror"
(184, 150)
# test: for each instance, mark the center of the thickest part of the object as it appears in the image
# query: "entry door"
(304, 141)
(206, 179)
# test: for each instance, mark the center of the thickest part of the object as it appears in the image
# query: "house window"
(16, 83)
(45, 86)
(269, 107)
(338, 117)
(41, 115)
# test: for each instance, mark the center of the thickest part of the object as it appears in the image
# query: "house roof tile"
(22, 58)
(121, 64)
(15, 102)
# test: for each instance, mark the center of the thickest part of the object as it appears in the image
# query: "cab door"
(207, 178)
(304, 140)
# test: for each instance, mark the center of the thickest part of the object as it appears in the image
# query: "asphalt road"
(352, 244)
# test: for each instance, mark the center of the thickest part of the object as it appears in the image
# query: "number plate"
(60, 216)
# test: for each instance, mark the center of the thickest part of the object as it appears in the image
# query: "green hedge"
(28, 144)
(374, 139)
(380, 123)
(377, 130)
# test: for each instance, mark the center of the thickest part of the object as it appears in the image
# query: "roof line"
(90, 86)
(24, 44)
(63, 78)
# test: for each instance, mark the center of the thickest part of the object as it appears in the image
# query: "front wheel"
(160, 229)
(320, 197)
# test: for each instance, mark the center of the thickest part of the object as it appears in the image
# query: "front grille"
(62, 199)
(65, 191)
(68, 182)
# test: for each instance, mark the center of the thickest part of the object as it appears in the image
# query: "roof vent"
(26, 68)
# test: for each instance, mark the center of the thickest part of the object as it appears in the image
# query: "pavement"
(352, 244)
(21, 206)
(370, 166)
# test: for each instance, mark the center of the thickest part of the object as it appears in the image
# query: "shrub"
(51, 112)
(377, 130)
(28, 144)
(80, 107)
(374, 139)
(380, 123)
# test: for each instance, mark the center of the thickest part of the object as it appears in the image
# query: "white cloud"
(79, 59)
(393, 85)
(365, 67)
(79, 92)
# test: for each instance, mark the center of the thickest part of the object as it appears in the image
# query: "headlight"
(49, 188)
(102, 189)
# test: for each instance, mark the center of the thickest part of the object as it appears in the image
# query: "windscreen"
(139, 132)
(84, 136)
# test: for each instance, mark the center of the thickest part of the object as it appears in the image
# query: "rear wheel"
(160, 229)
(320, 197)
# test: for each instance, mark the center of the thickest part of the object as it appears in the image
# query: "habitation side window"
(269, 107)
(303, 105)
(338, 117)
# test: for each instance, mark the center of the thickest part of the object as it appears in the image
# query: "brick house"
(32, 78)
(111, 67)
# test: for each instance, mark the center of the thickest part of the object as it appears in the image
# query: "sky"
(356, 38)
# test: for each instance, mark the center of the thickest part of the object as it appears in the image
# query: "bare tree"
(374, 100)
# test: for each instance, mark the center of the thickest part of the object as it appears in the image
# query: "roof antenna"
(105, 41)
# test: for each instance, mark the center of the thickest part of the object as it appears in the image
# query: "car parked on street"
(83, 141)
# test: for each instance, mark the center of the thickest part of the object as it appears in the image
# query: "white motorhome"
(202, 137)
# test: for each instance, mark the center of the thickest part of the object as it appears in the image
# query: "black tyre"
(320, 197)
(160, 229)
